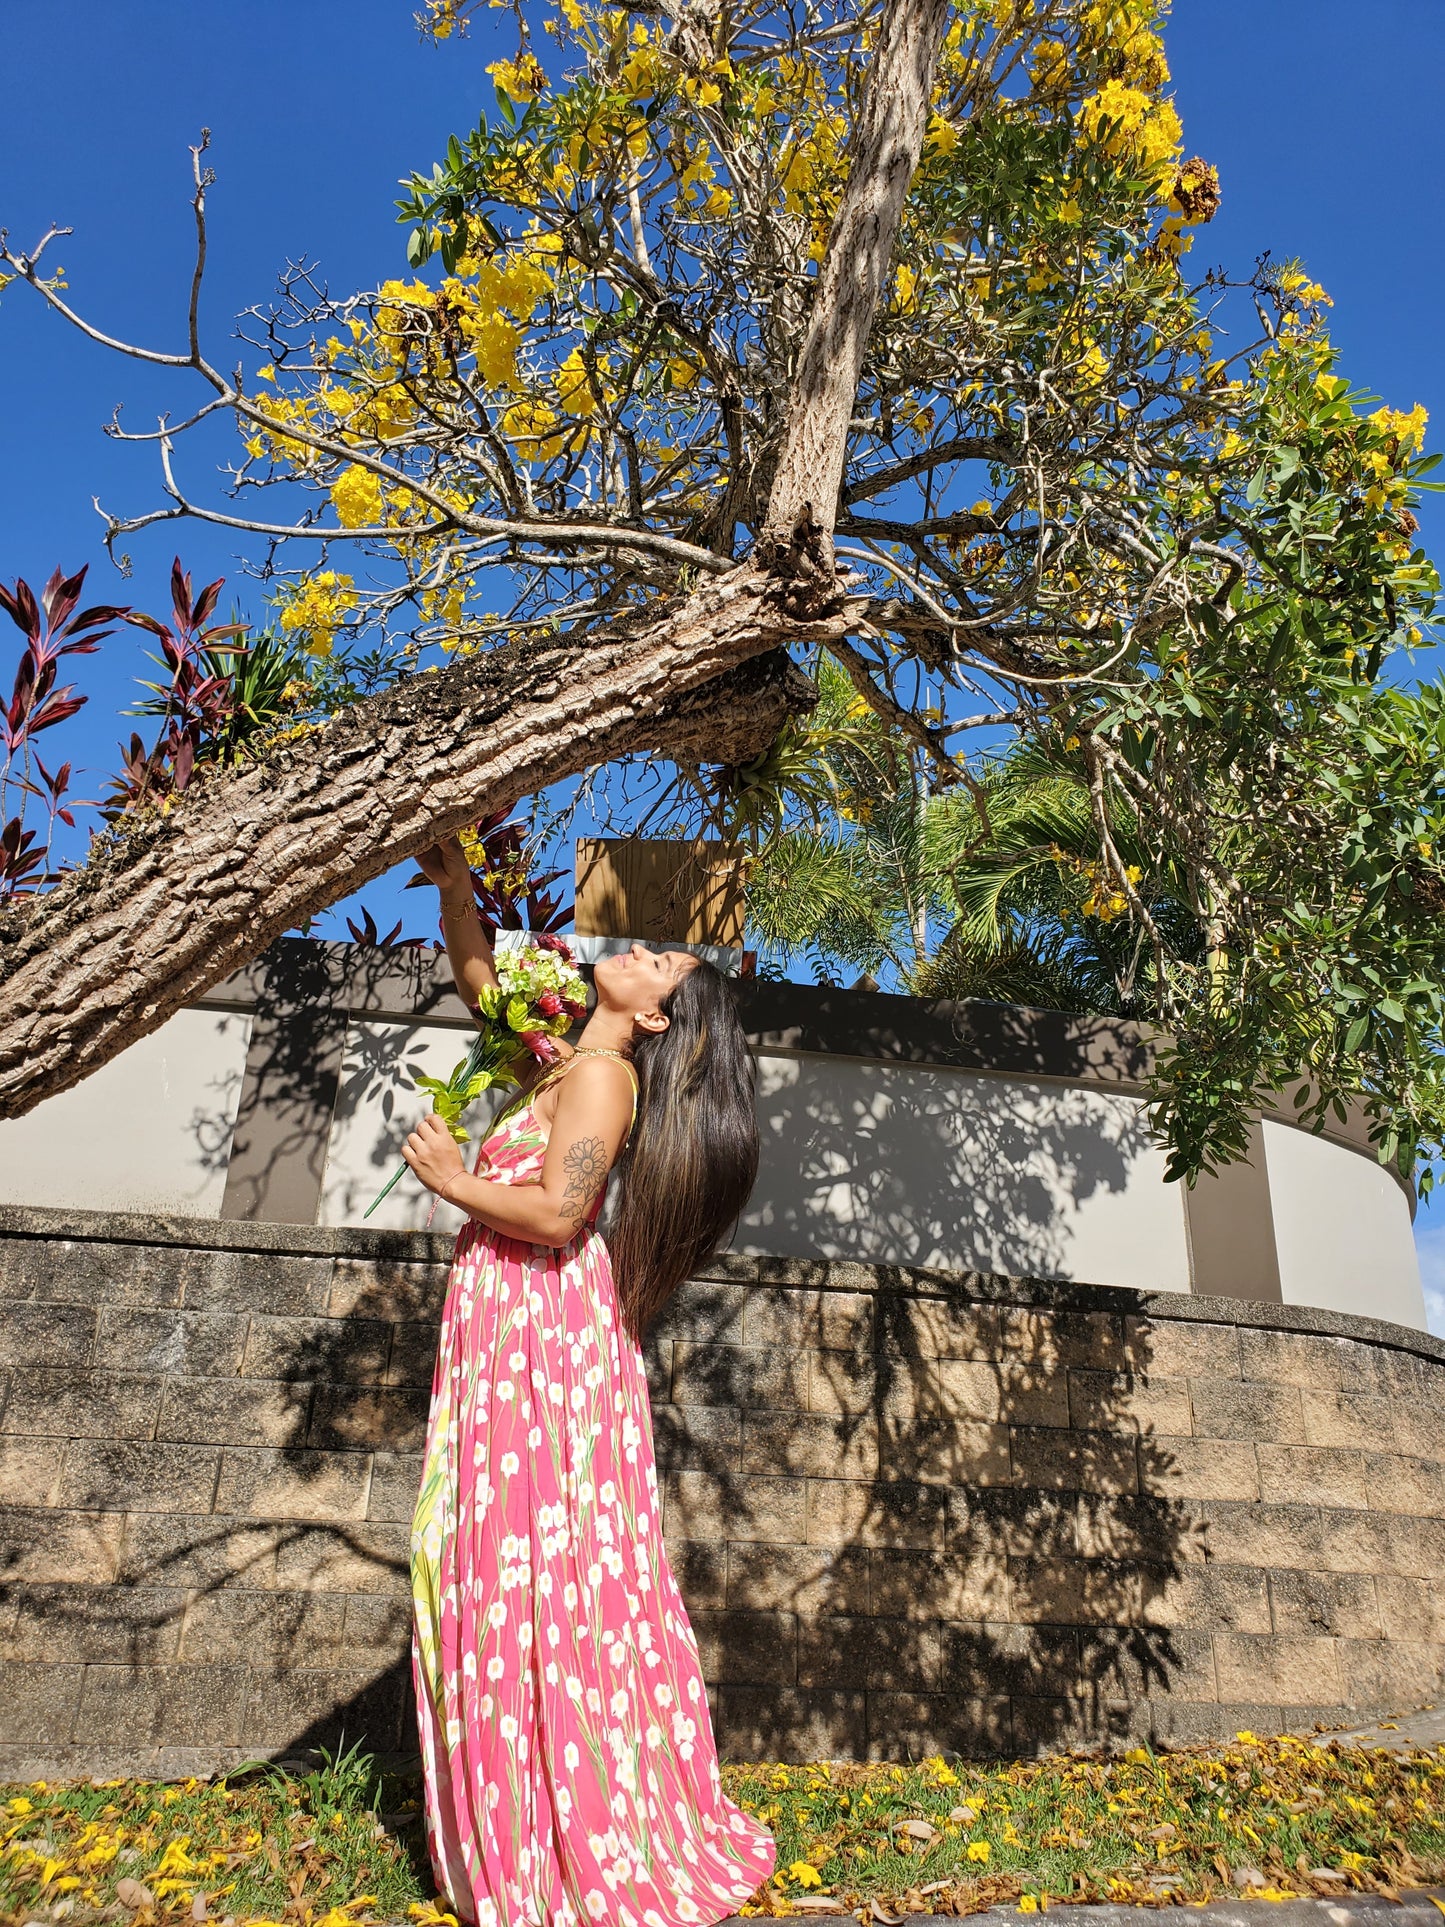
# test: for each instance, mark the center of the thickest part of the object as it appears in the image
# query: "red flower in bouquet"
(549, 1003)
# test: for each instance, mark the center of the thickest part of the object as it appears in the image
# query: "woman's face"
(635, 981)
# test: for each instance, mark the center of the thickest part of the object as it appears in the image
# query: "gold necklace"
(600, 1050)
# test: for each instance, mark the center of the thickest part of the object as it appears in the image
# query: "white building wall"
(1341, 1229)
(903, 1164)
(149, 1131)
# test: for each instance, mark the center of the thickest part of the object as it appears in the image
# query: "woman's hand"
(434, 1155)
(445, 864)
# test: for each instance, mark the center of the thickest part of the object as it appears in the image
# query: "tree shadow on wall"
(883, 1169)
(985, 1559)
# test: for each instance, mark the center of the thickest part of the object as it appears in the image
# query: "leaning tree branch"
(174, 902)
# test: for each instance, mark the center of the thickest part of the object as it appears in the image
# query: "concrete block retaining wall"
(910, 1511)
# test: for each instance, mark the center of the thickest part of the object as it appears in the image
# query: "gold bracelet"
(459, 916)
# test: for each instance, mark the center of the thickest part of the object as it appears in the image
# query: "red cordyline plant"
(196, 704)
(52, 629)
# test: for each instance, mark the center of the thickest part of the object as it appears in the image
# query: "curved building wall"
(970, 1136)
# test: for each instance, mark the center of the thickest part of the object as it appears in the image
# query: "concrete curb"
(1415, 1908)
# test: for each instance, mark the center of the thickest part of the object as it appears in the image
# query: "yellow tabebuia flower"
(315, 608)
(356, 497)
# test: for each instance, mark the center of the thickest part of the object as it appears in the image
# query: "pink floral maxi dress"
(570, 1768)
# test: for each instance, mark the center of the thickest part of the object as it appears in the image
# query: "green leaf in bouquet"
(434, 1085)
(459, 1134)
(489, 1001)
(518, 1017)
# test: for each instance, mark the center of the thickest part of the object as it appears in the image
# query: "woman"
(570, 1768)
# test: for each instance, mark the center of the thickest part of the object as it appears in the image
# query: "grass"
(342, 1845)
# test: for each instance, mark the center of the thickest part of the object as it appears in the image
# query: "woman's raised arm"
(468, 952)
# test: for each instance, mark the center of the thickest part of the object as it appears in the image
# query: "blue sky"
(1322, 121)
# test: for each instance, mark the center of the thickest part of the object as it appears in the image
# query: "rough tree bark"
(174, 903)
(884, 145)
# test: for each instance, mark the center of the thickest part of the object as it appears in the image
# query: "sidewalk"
(1351, 1910)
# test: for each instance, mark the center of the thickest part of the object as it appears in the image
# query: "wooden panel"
(660, 892)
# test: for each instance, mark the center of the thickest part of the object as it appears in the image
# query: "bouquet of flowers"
(538, 995)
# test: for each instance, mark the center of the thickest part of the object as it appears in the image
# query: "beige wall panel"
(905, 1165)
(149, 1131)
(1342, 1230)
(376, 1106)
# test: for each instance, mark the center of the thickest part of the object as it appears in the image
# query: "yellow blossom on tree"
(357, 499)
(315, 607)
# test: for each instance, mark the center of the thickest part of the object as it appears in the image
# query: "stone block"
(138, 1475)
(1308, 1359)
(1412, 1609)
(1215, 1598)
(319, 1706)
(1181, 1348)
(1001, 1521)
(1416, 1427)
(1074, 1461)
(1384, 1676)
(1053, 1341)
(853, 1654)
(128, 1625)
(296, 1484)
(320, 1350)
(1231, 1408)
(359, 1559)
(1343, 1603)
(1080, 1592)
(377, 1633)
(970, 1388)
(919, 1327)
(1311, 1475)
(808, 1579)
(235, 1411)
(278, 1629)
(39, 1547)
(1144, 1526)
(83, 1405)
(709, 1312)
(1128, 1402)
(700, 1567)
(170, 1549)
(916, 1726)
(883, 1512)
(773, 1378)
(1348, 1418)
(711, 1505)
(360, 1418)
(41, 1704)
(797, 1318)
(413, 1354)
(157, 1705)
(904, 1584)
(993, 1658)
(946, 1451)
(701, 1438)
(1383, 1542)
(1044, 1725)
(811, 1444)
(881, 1384)
(171, 1344)
(52, 1337)
(1250, 1533)
(1192, 1468)
(268, 1283)
(395, 1483)
(789, 1724)
(1401, 1483)
(30, 1470)
(1277, 1668)
(1139, 1664)
(388, 1289)
(741, 1648)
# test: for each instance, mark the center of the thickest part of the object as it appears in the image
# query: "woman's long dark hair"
(692, 1159)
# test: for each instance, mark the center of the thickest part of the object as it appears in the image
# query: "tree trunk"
(885, 143)
(174, 902)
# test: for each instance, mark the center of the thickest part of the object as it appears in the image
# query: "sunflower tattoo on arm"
(585, 1162)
